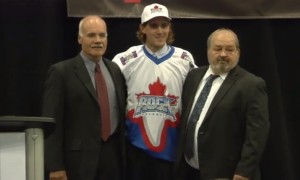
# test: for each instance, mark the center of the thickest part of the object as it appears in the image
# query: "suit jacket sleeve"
(257, 128)
(53, 107)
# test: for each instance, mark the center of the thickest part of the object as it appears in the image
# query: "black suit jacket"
(71, 99)
(233, 134)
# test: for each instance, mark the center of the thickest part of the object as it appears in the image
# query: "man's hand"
(58, 175)
(238, 177)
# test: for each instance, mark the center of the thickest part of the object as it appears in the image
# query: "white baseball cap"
(154, 10)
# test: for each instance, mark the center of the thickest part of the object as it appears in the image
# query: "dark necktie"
(189, 147)
(102, 94)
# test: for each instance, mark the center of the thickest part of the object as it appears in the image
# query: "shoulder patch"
(186, 56)
(124, 59)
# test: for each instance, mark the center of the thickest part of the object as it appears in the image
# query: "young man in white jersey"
(154, 73)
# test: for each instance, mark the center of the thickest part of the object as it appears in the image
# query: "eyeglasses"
(156, 25)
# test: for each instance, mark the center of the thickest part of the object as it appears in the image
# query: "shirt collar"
(160, 53)
(89, 63)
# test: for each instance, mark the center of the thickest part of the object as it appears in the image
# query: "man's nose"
(223, 53)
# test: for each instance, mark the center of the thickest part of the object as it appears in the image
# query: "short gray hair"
(237, 43)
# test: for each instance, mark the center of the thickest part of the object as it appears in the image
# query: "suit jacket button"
(201, 132)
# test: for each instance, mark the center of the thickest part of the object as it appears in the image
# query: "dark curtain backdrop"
(37, 33)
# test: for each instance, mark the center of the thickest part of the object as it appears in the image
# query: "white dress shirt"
(214, 89)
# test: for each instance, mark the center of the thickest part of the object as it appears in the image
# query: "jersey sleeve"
(124, 57)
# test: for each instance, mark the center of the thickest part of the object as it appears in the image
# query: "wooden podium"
(35, 128)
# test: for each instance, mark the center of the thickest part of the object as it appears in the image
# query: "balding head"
(92, 36)
(89, 20)
(223, 31)
(223, 50)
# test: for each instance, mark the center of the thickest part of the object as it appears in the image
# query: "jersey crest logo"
(154, 114)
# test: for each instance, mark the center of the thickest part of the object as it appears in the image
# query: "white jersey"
(154, 97)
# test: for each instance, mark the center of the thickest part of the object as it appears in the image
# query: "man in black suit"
(232, 129)
(75, 150)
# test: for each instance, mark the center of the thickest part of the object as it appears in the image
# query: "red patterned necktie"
(102, 94)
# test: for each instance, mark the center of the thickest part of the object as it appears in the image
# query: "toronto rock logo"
(155, 114)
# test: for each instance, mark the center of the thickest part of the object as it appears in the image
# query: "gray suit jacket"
(233, 134)
(71, 99)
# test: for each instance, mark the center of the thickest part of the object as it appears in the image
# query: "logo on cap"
(154, 10)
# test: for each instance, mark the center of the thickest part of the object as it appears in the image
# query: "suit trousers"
(110, 163)
(191, 173)
(141, 166)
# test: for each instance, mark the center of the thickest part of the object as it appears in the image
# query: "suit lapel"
(82, 73)
(112, 73)
(191, 88)
(224, 89)
(110, 70)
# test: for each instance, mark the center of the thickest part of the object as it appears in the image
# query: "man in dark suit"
(75, 150)
(232, 128)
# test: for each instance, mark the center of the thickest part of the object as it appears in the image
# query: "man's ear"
(79, 39)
